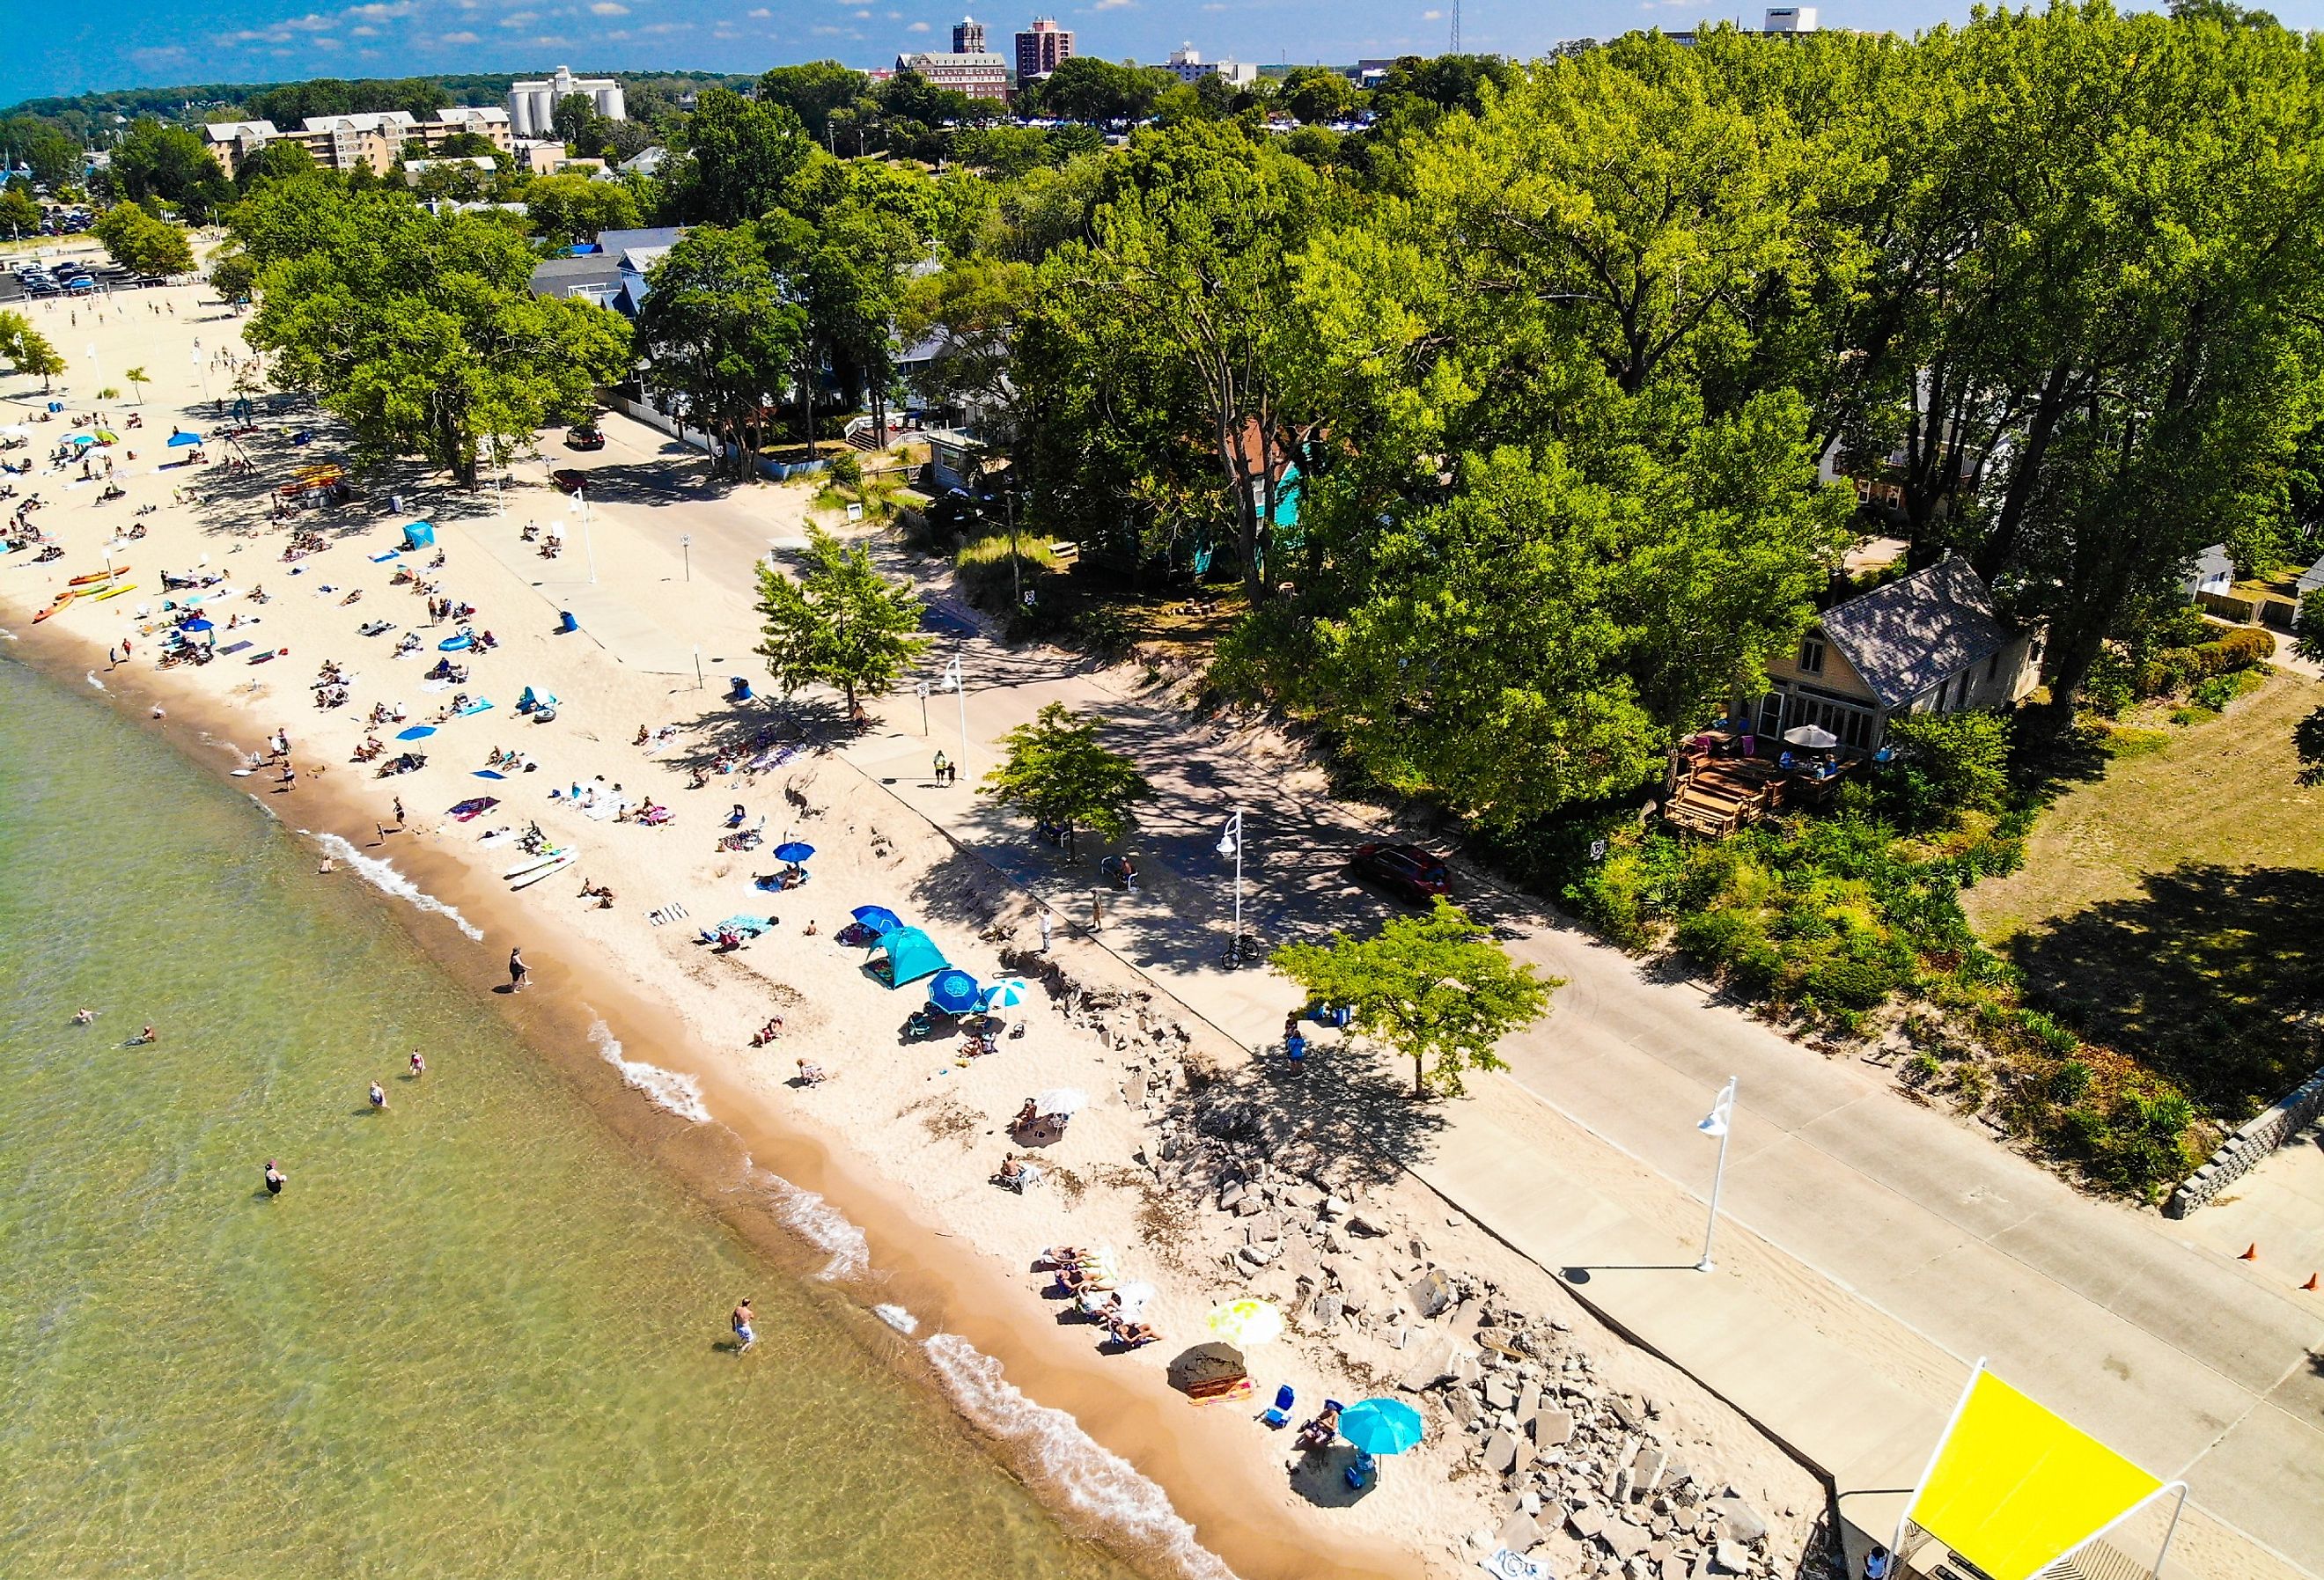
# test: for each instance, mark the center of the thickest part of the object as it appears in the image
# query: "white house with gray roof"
(1928, 642)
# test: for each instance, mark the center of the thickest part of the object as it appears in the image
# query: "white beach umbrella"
(1061, 1100)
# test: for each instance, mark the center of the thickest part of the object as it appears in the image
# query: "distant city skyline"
(144, 44)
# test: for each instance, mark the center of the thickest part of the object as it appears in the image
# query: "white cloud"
(609, 8)
(377, 12)
(1115, 5)
(1432, 16)
(549, 41)
(665, 27)
(364, 31)
(457, 38)
(758, 14)
(521, 19)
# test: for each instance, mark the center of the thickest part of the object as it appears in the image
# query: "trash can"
(566, 623)
(395, 505)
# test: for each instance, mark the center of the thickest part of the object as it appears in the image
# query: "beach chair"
(1361, 1471)
(1279, 1414)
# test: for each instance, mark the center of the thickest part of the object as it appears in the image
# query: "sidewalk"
(1898, 1246)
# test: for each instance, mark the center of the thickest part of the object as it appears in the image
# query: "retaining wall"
(2249, 1146)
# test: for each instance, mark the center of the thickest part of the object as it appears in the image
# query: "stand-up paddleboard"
(112, 592)
(530, 862)
(551, 870)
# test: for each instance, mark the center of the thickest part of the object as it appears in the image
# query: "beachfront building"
(532, 104)
(979, 76)
(1187, 65)
(377, 139)
(1041, 49)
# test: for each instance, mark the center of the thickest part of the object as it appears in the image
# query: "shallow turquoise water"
(476, 1336)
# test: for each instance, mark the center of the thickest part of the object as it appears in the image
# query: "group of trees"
(421, 332)
(28, 350)
(1508, 409)
(154, 159)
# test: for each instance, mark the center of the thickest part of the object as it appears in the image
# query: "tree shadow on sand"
(1339, 1117)
(2210, 977)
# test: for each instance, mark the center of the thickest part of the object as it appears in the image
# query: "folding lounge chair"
(1279, 1414)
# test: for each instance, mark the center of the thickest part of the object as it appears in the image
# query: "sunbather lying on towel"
(1130, 1334)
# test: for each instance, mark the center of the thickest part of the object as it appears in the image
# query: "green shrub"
(2069, 1083)
(2216, 692)
(2246, 647)
(1964, 756)
(1856, 983)
(1923, 1066)
(2108, 688)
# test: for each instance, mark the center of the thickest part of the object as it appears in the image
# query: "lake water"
(478, 1335)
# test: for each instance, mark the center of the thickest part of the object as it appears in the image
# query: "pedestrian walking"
(517, 971)
(398, 812)
(418, 1064)
(739, 1319)
(275, 1178)
(1045, 931)
(939, 775)
(378, 1097)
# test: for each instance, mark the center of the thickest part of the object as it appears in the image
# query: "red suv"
(1411, 872)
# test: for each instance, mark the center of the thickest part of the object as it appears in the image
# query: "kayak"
(530, 862)
(62, 599)
(113, 592)
(537, 874)
(97, 575)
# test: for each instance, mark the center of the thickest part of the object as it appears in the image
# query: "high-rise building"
(1040, 49)
(532, 106)
(1790, 18)
(1187, 65)
(968, 36)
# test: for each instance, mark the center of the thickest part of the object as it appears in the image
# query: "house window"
(1993, 666)
(1811, 655)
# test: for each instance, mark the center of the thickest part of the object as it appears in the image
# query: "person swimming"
(84, 1016)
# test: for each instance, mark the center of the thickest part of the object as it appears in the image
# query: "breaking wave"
(896, 1317)
(667, 1090)
(382, 875)
(95, 682)
(806, 1214)
(1091, 1482)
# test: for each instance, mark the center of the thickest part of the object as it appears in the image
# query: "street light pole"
(1719, 1122)
(924, 709)
(686, 542)
(1230, 843)
(953, 679)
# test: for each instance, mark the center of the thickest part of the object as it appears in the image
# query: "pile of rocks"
(1585, 1477)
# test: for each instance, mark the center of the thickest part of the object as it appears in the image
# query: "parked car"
(570, 480)
(1405, 870)
(586, 435)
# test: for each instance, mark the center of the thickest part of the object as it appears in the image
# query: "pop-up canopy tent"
(2017, 1490)
(911, 954)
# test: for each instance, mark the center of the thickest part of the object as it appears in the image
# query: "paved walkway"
(1952, 1246)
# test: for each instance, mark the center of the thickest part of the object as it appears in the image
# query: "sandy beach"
(1212, 1174)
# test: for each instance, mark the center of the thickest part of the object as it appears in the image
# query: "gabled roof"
(617, 242)
(1906, 637)
(595, 275)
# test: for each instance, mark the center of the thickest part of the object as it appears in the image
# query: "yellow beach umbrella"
(1247, 1322)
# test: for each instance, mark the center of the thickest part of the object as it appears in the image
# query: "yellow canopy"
(2015, 1488)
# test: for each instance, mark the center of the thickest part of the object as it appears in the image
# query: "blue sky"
(149, 42)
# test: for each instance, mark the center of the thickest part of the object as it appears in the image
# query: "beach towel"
(749, 924)
(237, 647)
(261, 658)
(673, 911)
(436, 685)
(478, 705)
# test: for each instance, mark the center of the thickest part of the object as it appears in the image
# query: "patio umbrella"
(952, 991)
(82, 439)
(793, 851)
(1004, 994)
(416, 733)
(106, 436)
(878, 917)
(180, 440)
(1061, 1101)
(1380, 1425)
(1812, 737)
(15, 431)
(198, 626)
(1247, 1322)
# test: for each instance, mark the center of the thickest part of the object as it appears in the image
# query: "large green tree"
(154, 159)
(841, 623)
(743, 157)
(28, 350)
(812, 91)
(568, 209)
(1057, 771)
(1434, 989)
(143, 244)
(721, 330)
(422, 333)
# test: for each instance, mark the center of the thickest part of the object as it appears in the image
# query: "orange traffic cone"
(2312, 1285)
(2251, 1253)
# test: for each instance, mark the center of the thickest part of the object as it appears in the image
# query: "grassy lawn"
(2174, 910)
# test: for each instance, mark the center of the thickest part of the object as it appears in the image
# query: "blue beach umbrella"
(416, 733)
(1006, 993)
(82, 439)
(198, 626)
(1380, 1425)
(793, 851)
(954, 990)
(878, 917)
(180, 440)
